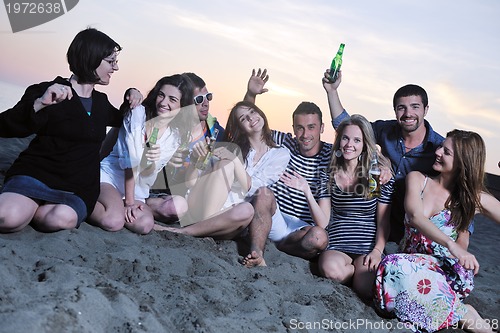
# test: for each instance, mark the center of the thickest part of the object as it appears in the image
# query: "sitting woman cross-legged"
(128, 173)
(219, 197)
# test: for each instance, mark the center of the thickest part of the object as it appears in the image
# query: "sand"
(89, 280)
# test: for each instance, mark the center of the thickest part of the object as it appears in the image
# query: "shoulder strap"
(423, 188)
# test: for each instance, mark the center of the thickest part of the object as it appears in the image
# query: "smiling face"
(307, 129)
(203, 107)
(168, 101)
(107, 67)
(444, 157)
(410, 113)
(351, 142)
(250, 120)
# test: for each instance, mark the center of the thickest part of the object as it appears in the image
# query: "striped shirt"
(292, 201)
(353, 220)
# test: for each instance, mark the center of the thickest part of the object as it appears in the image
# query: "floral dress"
(424, 286)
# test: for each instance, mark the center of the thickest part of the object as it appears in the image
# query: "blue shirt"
(388, 137)
(421, 158)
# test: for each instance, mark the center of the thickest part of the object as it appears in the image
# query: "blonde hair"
(369, 147)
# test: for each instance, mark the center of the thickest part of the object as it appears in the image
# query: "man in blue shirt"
(408, 141)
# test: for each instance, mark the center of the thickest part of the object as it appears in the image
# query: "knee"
(335, 272)
(112, 222)
(142, 226)
(264, 199)
(9, 220)
(59, 218)
(316, 238)
(242, 214)
(180, 206)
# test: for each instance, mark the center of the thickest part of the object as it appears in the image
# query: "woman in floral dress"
(426, 284)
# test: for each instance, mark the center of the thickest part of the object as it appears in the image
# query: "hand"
(294, 180)
(373, 259)
(385, 175)
(130, 212)
(257, 81)
(224, 154)
(54, 94)
(200, 148)
(134, 97)
(153, 153)
(465, 258)
(179, 157)
(328, 85)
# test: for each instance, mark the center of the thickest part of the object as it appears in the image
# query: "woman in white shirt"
(218, 200)
(128, 173)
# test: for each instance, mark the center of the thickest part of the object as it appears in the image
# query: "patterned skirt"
(423, 290)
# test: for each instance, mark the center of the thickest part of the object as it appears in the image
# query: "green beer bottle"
(336, 63)
(153, 137)
(203, 161)
(152, 140)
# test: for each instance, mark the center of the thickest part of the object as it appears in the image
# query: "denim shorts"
(35, 189)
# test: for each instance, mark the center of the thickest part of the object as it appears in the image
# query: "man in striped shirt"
(292, 228)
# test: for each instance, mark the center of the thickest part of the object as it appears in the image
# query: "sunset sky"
(449, 47)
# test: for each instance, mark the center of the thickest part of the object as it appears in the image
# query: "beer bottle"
(153, 137)
(374, 177)
(336, 63)
(203, 161)
(184, 150)
(152, 140)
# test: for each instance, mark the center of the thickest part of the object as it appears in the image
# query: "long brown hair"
(469, 156)
(233, 132)
(369, 146)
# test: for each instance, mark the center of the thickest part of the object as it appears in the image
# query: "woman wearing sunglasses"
(54, 183)
(150, 135)
(219, 197)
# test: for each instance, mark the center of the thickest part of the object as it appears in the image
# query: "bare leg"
(16, 211)
(55, 217)
(226, 225)
(109, 212)
(264, 204)
(363, 279)
(336, 265)
(473, 322)
(143, 222)
(167, 209)
(209, 193)
(305, 243)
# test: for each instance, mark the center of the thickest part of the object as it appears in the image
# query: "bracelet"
(382, 253)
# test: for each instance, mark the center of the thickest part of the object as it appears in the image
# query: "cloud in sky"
(450, 47)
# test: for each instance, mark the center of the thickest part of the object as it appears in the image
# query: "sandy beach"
(89, 280)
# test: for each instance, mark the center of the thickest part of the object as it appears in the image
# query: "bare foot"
(253, 259)
(159, 227)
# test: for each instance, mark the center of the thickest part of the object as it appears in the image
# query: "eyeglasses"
(199, 99)
(112, 62)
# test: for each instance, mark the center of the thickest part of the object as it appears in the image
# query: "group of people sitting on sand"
(312, 199)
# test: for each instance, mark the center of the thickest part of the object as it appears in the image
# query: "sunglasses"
(199, 99)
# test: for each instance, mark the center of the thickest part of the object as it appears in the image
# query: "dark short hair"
(86, 52)
(410, 90)
(308, 108)
(197, 81)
